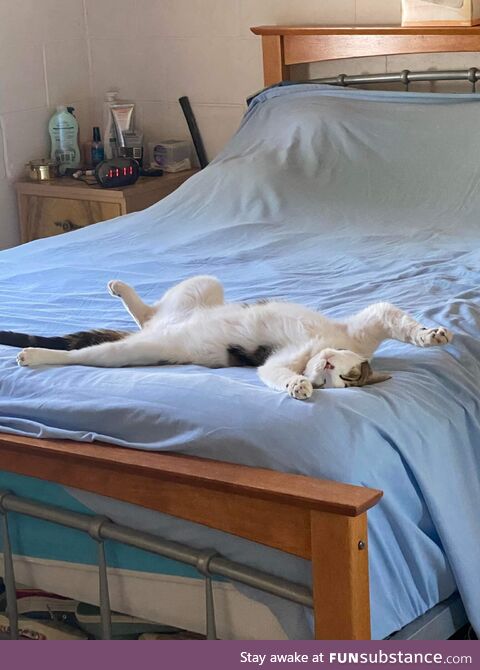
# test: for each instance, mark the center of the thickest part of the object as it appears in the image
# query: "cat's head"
(340, 368)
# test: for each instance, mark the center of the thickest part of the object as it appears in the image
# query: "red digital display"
(117, 172)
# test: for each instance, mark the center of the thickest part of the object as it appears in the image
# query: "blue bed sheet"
(335, 199)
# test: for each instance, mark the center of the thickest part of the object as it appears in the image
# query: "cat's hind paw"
(116, 287)
(32, 356)
(299, 388)
(433, 337)
(26, 357)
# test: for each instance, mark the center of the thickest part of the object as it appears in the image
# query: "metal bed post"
(473, 78)
(95, 532)
(9, 576)
(203, 567)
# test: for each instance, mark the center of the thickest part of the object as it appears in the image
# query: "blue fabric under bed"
(44, 540)
(335, 199)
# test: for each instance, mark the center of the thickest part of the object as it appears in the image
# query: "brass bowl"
(42, 169)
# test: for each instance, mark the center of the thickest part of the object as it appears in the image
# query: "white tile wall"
(9, 232)
(44, 62)
(22, 76)
(153, 51)
(200, 48)
(66, 71)
(378, 12)
(286, 12)
(111, 19)
(204, 49)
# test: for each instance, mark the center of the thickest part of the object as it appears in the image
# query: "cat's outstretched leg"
(199, 291)
(138, 310)
(384, 321)
(127, 352)
(178, 302)
(283, 372)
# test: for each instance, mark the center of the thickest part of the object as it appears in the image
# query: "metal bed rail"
(208, 562)
(442, 621)
(406, 77)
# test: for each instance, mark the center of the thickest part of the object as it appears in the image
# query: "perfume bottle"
(97, 150)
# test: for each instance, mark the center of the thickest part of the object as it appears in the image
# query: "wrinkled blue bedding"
(335, 199)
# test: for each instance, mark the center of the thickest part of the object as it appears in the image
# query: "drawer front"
(53, 216)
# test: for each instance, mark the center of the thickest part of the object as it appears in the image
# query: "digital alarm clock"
(117, 172)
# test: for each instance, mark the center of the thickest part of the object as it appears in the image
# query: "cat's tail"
(79, 340)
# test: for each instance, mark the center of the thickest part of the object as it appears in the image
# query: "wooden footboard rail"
(320, 520)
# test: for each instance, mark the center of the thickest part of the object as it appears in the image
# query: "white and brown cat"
(294, 348)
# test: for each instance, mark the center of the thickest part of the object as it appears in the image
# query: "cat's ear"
(377, 377)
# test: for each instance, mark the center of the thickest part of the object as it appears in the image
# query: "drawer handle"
(67, 225)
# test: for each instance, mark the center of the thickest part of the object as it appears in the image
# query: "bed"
(340, 205)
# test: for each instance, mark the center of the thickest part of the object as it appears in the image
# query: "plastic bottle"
(97, 149)
(109, 136)
(63, 129)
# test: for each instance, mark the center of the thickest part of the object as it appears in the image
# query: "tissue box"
(171, 155)
(440, 12)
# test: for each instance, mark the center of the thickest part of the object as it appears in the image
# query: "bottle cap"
(96, 134)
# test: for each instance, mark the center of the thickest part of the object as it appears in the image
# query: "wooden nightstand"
(61, 205)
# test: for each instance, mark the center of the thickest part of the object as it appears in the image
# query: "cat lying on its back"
(295, 349)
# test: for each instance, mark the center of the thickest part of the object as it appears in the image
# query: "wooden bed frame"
(323, 521)
(291, 45)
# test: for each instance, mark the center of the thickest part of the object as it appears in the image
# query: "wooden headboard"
(290, 45)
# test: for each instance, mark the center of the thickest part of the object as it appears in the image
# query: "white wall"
(43, 62)
(200, 48)
(153, 51)
(204, 49)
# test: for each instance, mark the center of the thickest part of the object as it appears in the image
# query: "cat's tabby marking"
(80, 340)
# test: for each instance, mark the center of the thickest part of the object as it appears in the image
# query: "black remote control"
(151, 172)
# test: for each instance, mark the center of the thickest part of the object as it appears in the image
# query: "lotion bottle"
(109, 134)
(63, 129)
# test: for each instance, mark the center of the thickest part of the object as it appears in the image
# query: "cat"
(295, 349)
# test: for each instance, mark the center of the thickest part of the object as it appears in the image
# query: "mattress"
(335, 199)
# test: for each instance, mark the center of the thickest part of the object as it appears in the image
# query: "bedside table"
(60, 205)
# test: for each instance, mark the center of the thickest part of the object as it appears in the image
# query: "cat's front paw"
(433, 337)
(116, 287)
(299, 388)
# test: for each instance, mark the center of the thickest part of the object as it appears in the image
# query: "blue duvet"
(335, 199)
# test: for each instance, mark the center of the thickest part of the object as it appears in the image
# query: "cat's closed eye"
(357, 376)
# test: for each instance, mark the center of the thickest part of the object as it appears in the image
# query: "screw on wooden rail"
(361, 545)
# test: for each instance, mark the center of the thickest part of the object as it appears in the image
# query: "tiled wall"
(157, 50)
(200, 48)
(153, 51)
(43, 62)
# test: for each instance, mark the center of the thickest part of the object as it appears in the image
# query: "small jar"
(42, 169)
